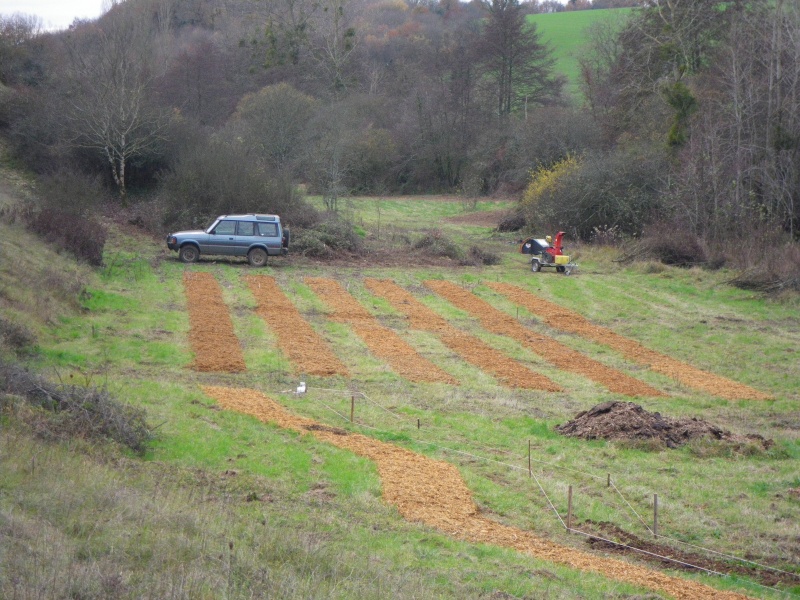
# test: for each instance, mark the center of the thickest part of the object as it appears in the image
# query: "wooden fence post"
(655, 515)
(569, 509)
(530, 474)
(352, 407)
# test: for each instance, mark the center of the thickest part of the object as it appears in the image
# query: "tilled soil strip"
(564, 319)
(432, 492)
(306, 349)
(472, 349)
(381, 341)
(551, 350)
(215, 345)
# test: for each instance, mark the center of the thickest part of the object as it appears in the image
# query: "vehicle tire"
(560, 269)
(257, 257)
(189, 253)
(568, 271)
(535, 266)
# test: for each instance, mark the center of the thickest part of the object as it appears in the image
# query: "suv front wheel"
(189, 253)
(257, 257)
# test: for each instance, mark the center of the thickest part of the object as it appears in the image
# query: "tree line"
(688, 116)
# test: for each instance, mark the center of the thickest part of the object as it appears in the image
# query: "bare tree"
(108, 99)
(334, 42)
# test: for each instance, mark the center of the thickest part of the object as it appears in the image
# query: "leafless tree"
(108, 82)
(334, 40)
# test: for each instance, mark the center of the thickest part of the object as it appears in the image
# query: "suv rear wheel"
(189, 253)
(257, 257)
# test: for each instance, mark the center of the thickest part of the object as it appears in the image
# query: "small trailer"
(546, 254)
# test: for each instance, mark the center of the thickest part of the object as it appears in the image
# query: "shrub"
(219, 177)
(76, 411)
(673, 246)
(326, 239)
(618, 189)
(83, 237)
(775, 273)
(436, 243)
(16, 337)
(71, 192)
(478, 256)
(513, 222)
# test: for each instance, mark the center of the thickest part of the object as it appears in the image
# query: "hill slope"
(568, 32)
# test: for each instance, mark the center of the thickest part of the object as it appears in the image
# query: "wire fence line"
(558, 467)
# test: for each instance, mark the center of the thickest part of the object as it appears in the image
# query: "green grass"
(567, 34)
(306, 519)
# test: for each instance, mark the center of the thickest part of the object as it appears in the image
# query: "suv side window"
(268, 229)
(225, 228)
(245, 228)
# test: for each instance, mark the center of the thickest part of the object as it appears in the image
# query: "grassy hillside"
(567, 32)
(224, 506)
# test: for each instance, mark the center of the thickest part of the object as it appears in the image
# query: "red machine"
(546, 253)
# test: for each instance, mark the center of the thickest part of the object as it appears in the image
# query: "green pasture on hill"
(225, 506)
(567, 34)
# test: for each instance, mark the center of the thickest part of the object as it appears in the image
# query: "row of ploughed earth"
(217, 348)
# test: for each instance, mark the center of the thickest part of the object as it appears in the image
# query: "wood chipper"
(546, 253)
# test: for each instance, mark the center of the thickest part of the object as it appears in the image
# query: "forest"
(686, 131)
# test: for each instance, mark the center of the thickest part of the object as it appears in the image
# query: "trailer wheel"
(567, 270)
(535, 266)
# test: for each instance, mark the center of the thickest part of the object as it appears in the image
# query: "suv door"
(222, 239)
(246, 236)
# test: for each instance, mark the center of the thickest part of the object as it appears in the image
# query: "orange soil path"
(432, 492)
(216, 347)
(551, 350)
(564, 319)
(306, 349)
(381, 341)
(472, 349)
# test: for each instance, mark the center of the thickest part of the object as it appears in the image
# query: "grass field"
(224, 506)
(566, 33)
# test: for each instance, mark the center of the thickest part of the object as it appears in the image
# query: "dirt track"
(306, 349)
(472, 349)
(216, 347)
(432, 492)
(381, 341)
(551, 350)
(564, 319)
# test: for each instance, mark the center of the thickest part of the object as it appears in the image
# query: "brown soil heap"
(629, 421)
(551, 350)
(432, 492)
(472, 349)
(306, 349)
(564, 319)
(211, 336)
(381, 341)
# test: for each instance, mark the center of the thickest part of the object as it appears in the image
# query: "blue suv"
(254, 236)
